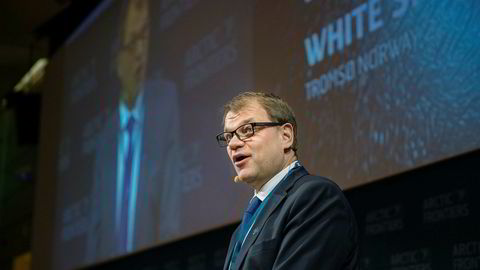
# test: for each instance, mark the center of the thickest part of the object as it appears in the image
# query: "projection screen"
(378, 88)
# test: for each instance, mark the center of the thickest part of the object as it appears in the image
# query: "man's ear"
(287, 135)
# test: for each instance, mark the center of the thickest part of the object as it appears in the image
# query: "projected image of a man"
(136, 179)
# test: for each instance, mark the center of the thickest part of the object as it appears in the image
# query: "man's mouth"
(240, 159)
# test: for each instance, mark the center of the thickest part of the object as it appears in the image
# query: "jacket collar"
(277, 196)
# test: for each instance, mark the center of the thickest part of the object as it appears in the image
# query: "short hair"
(277, 109)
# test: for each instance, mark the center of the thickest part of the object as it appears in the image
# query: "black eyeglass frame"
(224, 143)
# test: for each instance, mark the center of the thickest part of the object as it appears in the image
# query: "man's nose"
(235, 142)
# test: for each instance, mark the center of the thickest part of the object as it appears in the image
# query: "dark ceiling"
(31, 29)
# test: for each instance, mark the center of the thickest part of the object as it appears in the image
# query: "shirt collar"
(272, 183)
(136, 111)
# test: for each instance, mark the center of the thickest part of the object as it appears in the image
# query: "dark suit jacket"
(306, 223)
(156, 217)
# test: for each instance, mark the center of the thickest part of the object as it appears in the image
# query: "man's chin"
(243, 177)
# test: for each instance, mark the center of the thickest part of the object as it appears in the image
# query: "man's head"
(132, 57)
(271, 148)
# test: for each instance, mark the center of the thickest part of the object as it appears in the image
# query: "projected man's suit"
(136, 183)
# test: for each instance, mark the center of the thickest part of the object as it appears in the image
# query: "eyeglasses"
(243, 132)
(137, 38)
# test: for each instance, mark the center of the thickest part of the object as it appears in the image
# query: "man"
(295, 220)
(136, 185)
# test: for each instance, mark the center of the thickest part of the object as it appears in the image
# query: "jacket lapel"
(278, 194)
(230, 249)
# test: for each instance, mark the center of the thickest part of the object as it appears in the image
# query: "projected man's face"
(260, 157)
(132, 59)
